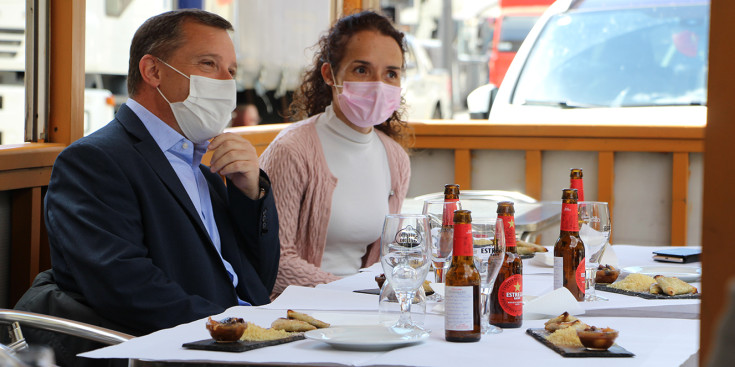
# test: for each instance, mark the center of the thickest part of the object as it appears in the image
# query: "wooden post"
(533, 174)
(719, 177)
(679, 191)
(66, 95)
(462, 168)
(606, 182)
(25, 246)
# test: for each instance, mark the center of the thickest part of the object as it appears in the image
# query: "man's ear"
(327, 74)
(149, 71)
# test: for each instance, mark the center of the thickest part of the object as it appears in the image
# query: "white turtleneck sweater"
(360, 200)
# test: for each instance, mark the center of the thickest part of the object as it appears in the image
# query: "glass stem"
(404, 300)
(439, 275)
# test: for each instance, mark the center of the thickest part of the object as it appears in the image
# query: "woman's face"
(369, 57)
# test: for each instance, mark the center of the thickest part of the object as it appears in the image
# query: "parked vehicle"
(516, 19)
(609, 61)
(427, 90)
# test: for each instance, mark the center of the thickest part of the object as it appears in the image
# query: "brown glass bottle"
(451, 197)
(462, 286)
(569, 264)
(576, 182)
(506, 299)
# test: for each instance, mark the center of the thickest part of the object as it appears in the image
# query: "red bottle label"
(510, 295)
(569, 217)
(576, 183)
(509, 228)
(450, 205)
(463, 240)
(579, 275)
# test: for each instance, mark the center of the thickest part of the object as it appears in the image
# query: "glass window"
(12, 71)
(110, 26)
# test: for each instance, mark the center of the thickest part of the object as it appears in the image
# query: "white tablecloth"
(667, 335)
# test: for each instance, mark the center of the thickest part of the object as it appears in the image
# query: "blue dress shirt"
(185, 158)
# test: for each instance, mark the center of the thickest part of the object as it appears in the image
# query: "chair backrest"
(64, 326)
(492, 195)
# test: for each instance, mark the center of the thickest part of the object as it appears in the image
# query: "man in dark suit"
(140, 231)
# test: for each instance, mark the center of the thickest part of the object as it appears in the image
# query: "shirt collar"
(168, 139)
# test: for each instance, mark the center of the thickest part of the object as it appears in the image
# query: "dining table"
(659, 332)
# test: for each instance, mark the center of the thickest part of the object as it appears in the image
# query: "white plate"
(685, 273)
(363, 337)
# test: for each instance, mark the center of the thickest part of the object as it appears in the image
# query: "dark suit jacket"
(125, 235)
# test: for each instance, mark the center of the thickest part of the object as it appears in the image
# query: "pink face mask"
(368, 104)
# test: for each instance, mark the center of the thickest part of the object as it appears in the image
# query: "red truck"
(510, 29)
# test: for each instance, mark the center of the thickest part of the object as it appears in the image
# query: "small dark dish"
(597, 339)
(228, 330)
(606, 274)
(380, 279)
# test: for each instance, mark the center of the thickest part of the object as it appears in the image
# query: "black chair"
(63, 321)
(53, 324)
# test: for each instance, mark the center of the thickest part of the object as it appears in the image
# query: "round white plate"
(685, 273)
(365, 337)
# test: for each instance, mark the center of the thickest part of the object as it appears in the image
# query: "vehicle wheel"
(437, 112)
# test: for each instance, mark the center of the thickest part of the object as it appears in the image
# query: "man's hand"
(235, 158)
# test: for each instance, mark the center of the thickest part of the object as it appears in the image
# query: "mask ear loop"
(334, 79)
(176, 70)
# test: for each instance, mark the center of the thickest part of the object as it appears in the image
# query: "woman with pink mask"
(337, 173)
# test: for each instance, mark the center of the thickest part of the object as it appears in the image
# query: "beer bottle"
(462, 286)
(575, 182)
(569, 264)
(451, 197)
(506, 299)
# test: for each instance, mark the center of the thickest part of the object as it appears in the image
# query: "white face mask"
(208, 108)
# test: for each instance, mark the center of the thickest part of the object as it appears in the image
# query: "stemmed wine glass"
(489, 249)
(594, 230)
(442, 233)
(405, 253)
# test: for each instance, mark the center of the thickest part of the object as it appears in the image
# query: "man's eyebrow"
(216, 56)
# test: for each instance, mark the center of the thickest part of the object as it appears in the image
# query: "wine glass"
(405, 253)
(489, 250)
(594, 230)
(442, 233)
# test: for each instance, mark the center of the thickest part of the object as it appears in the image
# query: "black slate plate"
(239, 346)
(614, 351)
(646, 295)
(368, 291)
(376, 291)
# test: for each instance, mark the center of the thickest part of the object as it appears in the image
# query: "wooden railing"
(464, 137)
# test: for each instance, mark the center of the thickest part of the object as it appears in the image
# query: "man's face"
(206, 51)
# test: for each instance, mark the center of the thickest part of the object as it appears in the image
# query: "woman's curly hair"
(315, 95)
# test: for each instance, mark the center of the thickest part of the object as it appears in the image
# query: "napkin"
(544, 259)
(438, 288)
(609, 257)
(552, 304)
(307, 298)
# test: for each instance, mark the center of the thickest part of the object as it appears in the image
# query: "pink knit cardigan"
(303, 186)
